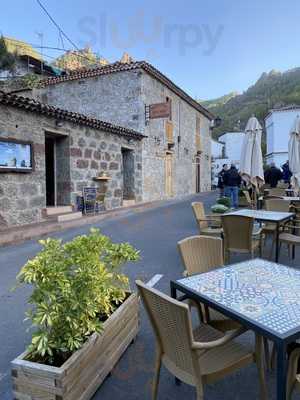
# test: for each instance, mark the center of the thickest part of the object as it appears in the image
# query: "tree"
(7, 59)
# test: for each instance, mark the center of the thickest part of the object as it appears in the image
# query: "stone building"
(177, 152)
(68, 151)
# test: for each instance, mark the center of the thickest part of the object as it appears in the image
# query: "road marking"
(153, 281)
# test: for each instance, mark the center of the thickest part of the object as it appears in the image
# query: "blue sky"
(209, 48)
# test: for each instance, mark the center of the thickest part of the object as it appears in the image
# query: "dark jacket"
(232, 177)
(272, 176)
(286, 173)
(221, 179)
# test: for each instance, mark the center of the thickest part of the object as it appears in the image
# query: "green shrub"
(219, 209)
(225, 201)
(76, 286)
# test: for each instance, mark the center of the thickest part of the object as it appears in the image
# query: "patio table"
(262, 295)
(275, 217)
(290, 198)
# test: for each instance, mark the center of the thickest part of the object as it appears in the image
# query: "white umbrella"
(251, 164)
(294, 154)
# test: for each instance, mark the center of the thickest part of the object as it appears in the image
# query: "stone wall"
(184, 151)
(121, 98)
(113, 97)
(82, 154)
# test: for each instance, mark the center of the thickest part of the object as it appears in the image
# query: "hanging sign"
(160, 110)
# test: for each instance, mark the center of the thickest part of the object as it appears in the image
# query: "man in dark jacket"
(286, 173)
(273, 175)
(232, 181)
(220, 179)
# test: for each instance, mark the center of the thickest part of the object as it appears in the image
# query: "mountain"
(272, 90)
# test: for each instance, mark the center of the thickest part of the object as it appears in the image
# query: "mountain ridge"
(273, 89)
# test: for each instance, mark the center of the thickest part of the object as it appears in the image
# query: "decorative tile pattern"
(265, 292)
(263, 215)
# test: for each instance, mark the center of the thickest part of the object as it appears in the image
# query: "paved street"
(155, 232)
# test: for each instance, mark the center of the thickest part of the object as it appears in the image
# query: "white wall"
(278, 125)
(216, 149)
(233, 145)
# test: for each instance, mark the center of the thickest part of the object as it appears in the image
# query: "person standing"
(221, 179)
(286, 172)
(273, 175)
(232, 181)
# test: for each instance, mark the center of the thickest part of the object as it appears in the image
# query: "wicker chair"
(197, 357)
(239, 237)
(276, 192)
(208, 224)
(269, 228)
(250, 202)
(202, 254)
(293, 377)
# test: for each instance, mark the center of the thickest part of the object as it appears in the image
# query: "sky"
(209, 48)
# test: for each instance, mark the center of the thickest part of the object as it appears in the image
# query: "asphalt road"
(155, 232)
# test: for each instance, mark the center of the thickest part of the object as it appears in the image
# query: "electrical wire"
(56, 24)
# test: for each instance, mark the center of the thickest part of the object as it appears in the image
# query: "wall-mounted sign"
(160, 110)
(15, 156)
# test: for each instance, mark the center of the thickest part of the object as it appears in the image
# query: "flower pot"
(81, 375)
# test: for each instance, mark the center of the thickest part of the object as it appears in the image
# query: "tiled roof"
(118, 67)
(34, 106)
(292, 107)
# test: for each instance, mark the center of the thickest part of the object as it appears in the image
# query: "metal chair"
(197, 357)
(239, 237)
(202, 254)
(208, 224)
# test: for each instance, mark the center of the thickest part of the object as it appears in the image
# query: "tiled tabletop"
(266, 293)
(263, 215)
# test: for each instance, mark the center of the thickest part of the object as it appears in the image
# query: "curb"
(27, 232)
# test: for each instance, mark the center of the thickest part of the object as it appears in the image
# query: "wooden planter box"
(81, 375)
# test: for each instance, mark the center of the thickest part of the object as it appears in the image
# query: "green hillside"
(272, 90)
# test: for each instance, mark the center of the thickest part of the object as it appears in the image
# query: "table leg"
(173, 291)
(281, 371)
(277, 242)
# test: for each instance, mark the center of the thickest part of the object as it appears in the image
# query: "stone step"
(128, 203)
(69, 216)
(49, 211)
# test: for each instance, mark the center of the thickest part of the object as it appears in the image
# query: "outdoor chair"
(202, 254)
(250, 202)
(276, 192)
(197, 357)
(268, 228)
(290, 236)
(239, 236)
(209, 225)
(293, 376)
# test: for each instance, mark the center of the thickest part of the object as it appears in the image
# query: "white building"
(227, 150)
(278, 124)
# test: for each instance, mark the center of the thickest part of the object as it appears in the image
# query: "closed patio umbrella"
(251, 164)
(294, 154)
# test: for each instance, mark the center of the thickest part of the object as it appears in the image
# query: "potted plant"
(83, 314)
(225, 201)
(219, 209)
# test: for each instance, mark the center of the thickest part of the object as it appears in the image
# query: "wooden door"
(169, 175)
(198, 173)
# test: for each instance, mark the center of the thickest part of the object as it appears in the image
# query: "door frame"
(169, 189)
(198, 174)
(53, 138)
